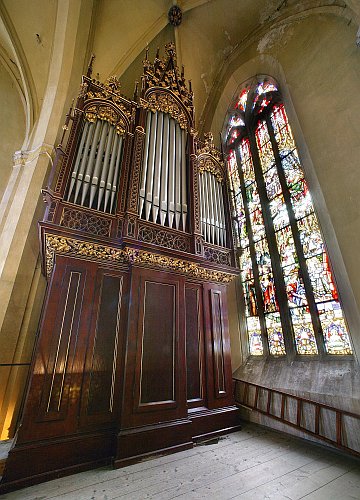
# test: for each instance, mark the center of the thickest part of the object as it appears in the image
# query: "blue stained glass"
(292, 168)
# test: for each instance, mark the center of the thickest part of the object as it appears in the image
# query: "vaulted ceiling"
(211, 34)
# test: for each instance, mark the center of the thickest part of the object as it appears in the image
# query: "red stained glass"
(241, 103)
(268, 292)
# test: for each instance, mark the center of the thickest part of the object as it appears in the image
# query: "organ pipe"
(96, 167)
(212, 215)
(164, 172)
(163, 187)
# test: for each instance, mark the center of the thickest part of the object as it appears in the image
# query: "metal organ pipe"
(79, 156)
(96, 166)
(183, 180)
(214, 183)
(104, 171)
(150, 166)
(178, 165)
(171, 187)
(163, 188)
(164, 171)
(222, 215)
(157, 169)
(145, 162)
(115, 179)
(212, 212)
(89, 166)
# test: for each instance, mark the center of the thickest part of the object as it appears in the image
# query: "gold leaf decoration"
(55, 244)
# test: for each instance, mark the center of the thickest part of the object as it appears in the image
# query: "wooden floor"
(254, 463)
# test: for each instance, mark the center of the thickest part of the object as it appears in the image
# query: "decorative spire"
(90, 66)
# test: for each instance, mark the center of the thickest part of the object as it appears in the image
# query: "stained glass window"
(291, 299)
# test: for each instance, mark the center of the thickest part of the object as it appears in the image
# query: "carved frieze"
(208, 165)
(55, 244)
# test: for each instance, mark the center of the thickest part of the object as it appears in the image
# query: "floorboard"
(255, 463)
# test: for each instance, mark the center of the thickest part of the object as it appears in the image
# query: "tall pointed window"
(291, 300)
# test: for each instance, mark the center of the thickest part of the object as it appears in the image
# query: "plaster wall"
(12, 125)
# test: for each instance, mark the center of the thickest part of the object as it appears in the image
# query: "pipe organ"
(132, 356)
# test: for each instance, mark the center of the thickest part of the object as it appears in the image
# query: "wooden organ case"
(133, 354)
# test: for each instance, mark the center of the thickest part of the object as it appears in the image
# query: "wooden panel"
(194, 346)
(65, 331)
(217, 342)
(102, 363)
(158, 338)
(218, 331)
(155, 383)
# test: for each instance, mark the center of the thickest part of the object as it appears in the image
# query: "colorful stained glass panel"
(286, 246)
(246, 265)
(310, 236)
(241, 103)
(243, 234)
(282, 130)
(250, 299)
(257, 224)
(247, 165)
(321, 278)
(254, 333)
(334, 328)
(294, 285)
(292, 168)
(263, 256)
(268, 293)
(301, 199)
(303, 330)
(265, 150)
(252, 196)
(272, 183)
(275, 334)
(279, 212)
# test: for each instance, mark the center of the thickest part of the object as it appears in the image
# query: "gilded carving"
(109, 90)
(70, 246)
(209, 148)
(208, 165)
(162, 101)
(165, 73)
(105, 113)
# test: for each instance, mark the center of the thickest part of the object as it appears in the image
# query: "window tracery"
(291, 299)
